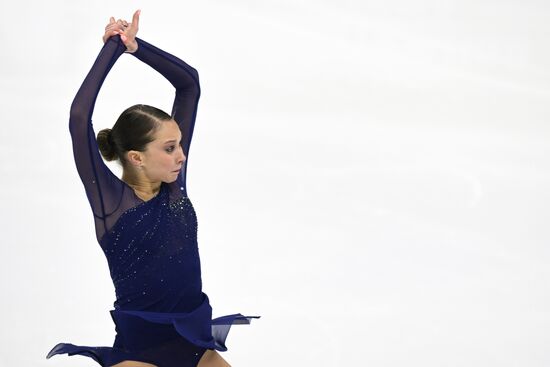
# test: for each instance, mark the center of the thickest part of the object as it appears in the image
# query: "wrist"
(132, 48)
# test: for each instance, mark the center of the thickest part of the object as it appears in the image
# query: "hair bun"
(106, 144)
(110, 136)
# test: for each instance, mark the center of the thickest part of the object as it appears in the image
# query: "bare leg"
(211, 358)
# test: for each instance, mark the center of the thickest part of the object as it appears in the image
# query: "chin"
(172, 179)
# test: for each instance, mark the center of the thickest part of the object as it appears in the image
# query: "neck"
(141, 185)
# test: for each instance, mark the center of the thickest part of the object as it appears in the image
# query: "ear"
(135, 158)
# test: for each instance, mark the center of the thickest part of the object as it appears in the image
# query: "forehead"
(168, 130)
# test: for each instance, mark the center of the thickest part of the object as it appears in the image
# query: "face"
(163, 157)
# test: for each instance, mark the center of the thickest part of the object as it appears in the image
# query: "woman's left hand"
(128, 32)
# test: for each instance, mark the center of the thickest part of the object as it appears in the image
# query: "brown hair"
(133, 130)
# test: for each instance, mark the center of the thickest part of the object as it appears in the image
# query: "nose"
(181, 157)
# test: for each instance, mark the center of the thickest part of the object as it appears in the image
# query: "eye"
(170, 149)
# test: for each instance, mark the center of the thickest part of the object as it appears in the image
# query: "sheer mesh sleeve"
(103, 188)
(110, 197)
(185, 80)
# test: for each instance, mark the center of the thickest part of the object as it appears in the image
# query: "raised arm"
(102, 187)
(185, 80)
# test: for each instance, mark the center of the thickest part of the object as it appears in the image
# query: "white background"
(371, 178)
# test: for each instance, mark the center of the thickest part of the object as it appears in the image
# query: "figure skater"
(145, 223)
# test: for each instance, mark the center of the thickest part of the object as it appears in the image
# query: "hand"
(126, 31)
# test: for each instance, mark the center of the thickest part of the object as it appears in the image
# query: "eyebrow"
(170, 141)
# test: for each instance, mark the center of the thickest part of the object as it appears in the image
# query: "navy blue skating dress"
(161, 314)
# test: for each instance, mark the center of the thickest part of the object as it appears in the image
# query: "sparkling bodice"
(153, 255)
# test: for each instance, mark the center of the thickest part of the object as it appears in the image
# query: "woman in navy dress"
(145, 223)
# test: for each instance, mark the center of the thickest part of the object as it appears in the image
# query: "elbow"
(190, 92)
(77, 120)
(196, 85)
(193, 83)
(76, 117)
(77, 111)
(190, 89)
(195, 74)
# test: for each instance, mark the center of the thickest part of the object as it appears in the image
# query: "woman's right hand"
(112, 28)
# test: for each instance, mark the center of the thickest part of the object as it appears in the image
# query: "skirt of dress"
(162, 339)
